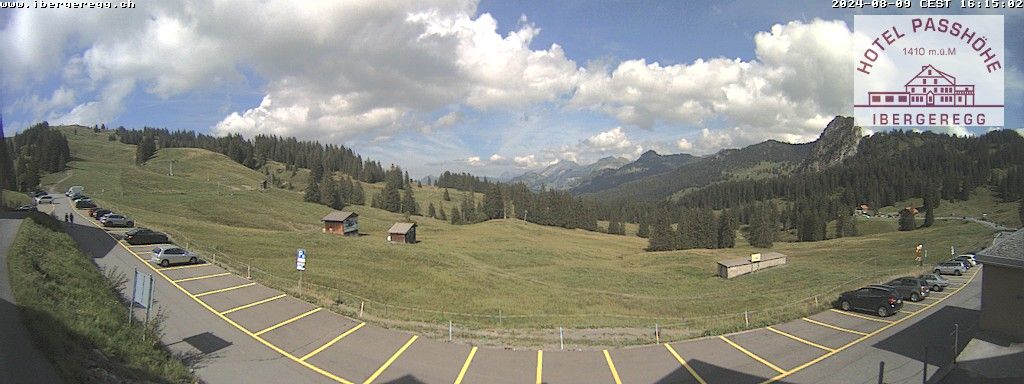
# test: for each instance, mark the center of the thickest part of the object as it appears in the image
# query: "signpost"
(300, 265)
(142, 295)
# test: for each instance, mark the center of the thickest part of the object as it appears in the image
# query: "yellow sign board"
(755, 257)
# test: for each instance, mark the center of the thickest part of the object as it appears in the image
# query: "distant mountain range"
(567, 174)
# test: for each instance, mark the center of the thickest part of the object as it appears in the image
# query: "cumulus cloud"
(684, 145)
(614, 139)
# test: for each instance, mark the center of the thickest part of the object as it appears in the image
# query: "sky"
(491, 87)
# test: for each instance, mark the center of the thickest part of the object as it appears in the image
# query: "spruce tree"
(662, 237)
(613, 227)
(145, 150)
(8, 180)
(494, 204)
(358, 194)
(440, 214)
(409, 203)
(727, 230)
(907, 222)
(446, 196)
(392, 199)
(762, 228)
(644, 230)
(456, 216)
(312, 194)
(430, 210)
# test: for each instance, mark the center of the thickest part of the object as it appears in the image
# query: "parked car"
(38, 194)
(116, 220)
(74, 190)
(99, 212)
(878, 299)
(167, 254)
(25, 208)
(950, 268)
(968, 258)
(935, 281)
(76, 198)
(84, 203)
(918, 288)
(45, 199)
(965, 263)
(139, 236)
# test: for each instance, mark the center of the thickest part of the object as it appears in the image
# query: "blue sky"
(492, 87)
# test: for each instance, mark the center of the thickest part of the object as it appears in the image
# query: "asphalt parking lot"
(346, 350)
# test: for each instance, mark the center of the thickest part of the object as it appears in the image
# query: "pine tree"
(358, 194)
(842, 221)
(907, 222)
(145, 150)
(8, 179)
(456, 216)
(931, 201)
(762, 228)
(644, 230)
(446, 196)
(409, 203)
(440, 214)
(662, 237)
(312, 194)
(494, 204)
(613, 227)
(430, 210)
(727, 226)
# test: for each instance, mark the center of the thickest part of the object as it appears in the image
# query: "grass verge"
(76, 318)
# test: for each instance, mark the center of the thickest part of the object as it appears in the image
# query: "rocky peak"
(837, 142)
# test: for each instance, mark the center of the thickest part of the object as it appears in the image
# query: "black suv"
(911, 288)
(139, 236)
(878, 299)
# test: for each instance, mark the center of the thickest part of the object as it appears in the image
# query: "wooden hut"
(341, 223)
(402, 233)
(744, 265)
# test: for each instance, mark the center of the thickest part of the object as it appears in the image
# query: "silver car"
(950, 268)
(166, 254)
(936, 281)
(47, 199)
(116, 220)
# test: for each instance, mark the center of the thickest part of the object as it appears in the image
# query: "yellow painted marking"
(835, 327)
(611, 366)
(861, 339)
(860, 316)
(330, 343)
(187, 266)
(224, 289)
(752, 355)
(800, 339)
(267, 300)
(685, 365)
(202, 277)
(391, 360)
(229, 321)
(540, 365)
(912, 303)
(465, 366)
(289, 321)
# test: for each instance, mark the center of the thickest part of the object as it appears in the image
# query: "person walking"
(65, 217)
(72, 217)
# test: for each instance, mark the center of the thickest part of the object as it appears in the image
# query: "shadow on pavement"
(935, 333)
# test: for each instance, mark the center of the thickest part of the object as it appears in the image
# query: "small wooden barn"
(744, 265)
(402, 233)
(341, 223)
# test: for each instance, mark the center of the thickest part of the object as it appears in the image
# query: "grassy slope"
(502, 265)
(983, 201)
(14, 198)
(71, 310)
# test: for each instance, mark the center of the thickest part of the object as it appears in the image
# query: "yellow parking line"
(267, 300)
(685, 365)
(330, 343)
(834, 327)
(202, 277)
(187, 266)
(913, 303)
(860, 316)
(611, 366)
(465, 366)
(855, 342)
(800, 339)
(752, 355)
(540, 365)
(289, 321)
(391, 360)
(224, 289)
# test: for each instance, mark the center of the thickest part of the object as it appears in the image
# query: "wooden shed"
(744, 265)
(341, 223)
(402, 233)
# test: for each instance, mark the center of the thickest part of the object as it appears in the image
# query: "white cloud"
(684, 145)
(474, 161)
(614, 139)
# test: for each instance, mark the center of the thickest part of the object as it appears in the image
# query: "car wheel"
(193, 260)
(165, 263)
(883, 311)
(957, 273)
(845, 305)
(937, 288)
(938, 271)
(915, 297)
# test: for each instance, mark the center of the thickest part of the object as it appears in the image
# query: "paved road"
(20, 361)
(245, 332)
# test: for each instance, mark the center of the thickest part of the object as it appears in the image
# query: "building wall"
(1002, 300)
(397, 238)
(739, 270)
(332, 227)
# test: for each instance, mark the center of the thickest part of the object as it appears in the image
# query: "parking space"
(577, 367)
(306, 334)
(823, 336)
(360, 354)
(846, 323)
(715, 358)
(500, 366)
(654, 364)
(781, 351)
(234, 301)
(190, 270)
(427, 361)
(268, 314)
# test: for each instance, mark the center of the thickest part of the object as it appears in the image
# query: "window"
(903, 99)
(876, 98)
(935, 81)
(929, 72)
(888, 99)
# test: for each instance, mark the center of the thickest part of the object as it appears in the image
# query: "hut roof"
(402, 228)
(338, 216)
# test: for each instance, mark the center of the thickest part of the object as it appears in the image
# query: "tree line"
(31, 153)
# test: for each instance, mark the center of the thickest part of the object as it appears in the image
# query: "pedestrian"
(65, 217)
(72, 217)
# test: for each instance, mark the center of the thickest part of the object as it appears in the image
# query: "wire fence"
(563, 330)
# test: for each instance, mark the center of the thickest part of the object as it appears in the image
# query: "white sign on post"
(300, 260)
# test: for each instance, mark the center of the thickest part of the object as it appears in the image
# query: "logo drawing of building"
(930, 87)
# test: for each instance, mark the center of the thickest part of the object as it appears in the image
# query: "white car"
(166, 254)
(47, 199)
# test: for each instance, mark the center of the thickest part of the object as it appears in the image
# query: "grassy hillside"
(505, 273)
(75, 316)
(983, 202)
(14, 198)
